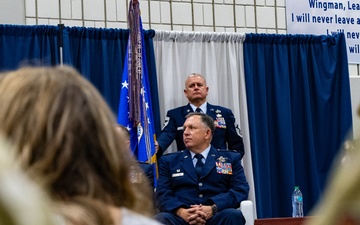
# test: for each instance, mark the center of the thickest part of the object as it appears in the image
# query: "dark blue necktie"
(199, 164)
(198, 110)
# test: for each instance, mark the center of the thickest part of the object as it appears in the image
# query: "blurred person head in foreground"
(64, 137)
(15, 209)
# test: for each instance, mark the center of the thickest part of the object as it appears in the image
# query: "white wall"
(12, 12)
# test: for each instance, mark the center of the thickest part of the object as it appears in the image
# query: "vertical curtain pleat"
(28, 46)
(299, 109)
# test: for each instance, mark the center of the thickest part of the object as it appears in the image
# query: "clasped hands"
(196, 214)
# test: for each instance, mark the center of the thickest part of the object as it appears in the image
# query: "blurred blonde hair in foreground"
(340, 204)
(22, 202)
(64, 138)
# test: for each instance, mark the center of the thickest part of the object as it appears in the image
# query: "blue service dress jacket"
(222, 181)
(226, 136)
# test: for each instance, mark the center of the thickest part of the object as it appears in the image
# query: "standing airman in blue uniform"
(200, 184)
(227, 134)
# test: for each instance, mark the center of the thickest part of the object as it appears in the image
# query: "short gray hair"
(205, 119)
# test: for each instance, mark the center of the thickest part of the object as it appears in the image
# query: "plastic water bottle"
(297, 203)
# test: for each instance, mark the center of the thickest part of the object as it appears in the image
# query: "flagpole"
(61, 43)
(135, 108)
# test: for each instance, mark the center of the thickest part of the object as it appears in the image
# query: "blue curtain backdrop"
(28, 45)
(99, 55)
(299, 107)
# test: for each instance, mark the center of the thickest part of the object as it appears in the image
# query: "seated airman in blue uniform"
(200, 184)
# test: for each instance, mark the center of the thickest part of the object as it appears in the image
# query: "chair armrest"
(247, 209)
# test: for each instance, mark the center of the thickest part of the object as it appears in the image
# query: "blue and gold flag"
(135, 111)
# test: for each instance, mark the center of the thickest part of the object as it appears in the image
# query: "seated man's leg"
(228, 217)
(169, 219)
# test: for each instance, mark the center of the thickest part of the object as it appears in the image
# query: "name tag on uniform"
(178, 175)
(223, 168)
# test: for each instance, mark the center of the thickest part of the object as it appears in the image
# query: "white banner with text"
(327, 17)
